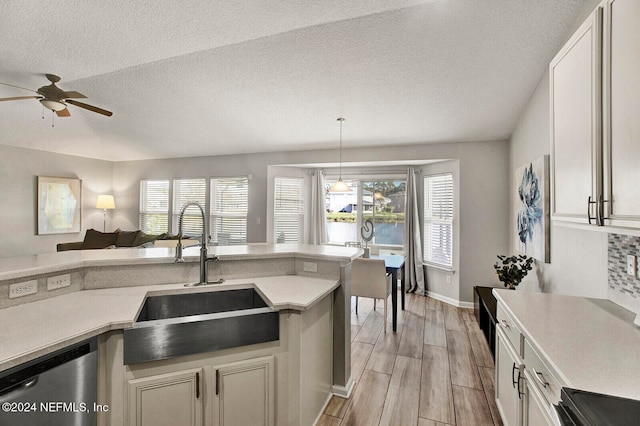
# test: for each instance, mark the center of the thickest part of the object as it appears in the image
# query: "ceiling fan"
(56, 99)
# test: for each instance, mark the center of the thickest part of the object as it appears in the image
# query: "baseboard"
(324, 407)
(450, 301)
(343, 391)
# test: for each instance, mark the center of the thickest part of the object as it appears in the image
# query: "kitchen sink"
(189, 323)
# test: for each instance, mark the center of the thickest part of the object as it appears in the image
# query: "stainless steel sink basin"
(185, 324)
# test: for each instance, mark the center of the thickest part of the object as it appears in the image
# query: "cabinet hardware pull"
(520, 393)
(539, 378)
(513, 375)
(504, 324)
(601, 216)
(589, 202)
(217, 382)
(197, 385)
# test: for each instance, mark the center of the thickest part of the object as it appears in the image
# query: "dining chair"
(369, 278)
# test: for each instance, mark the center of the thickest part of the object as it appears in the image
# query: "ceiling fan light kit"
(56, 99)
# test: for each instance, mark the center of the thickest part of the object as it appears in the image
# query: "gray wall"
(483, 185)
(19, 169)
(578, 258)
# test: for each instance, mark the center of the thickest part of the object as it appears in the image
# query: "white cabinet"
(536, 408)
(595, 130)
(575, 84)
(509, 380)
(245, 393)
(166, 399)
(621, 134)
(236, 393)
(508, 383)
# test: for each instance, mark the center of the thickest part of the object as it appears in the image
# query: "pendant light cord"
(340, 120)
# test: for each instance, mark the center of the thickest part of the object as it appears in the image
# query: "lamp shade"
(340, 186)
(105, 202)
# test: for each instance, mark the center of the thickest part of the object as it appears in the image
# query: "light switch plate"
(631, 265)
(59, 281)
(310, 267)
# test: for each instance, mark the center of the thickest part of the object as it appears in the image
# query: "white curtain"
(318, 233)
(412, 237)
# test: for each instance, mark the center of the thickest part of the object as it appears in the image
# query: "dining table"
(394, 263)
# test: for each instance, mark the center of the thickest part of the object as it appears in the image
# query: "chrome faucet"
(204, 258)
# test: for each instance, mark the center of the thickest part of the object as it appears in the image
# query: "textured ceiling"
(202, 77)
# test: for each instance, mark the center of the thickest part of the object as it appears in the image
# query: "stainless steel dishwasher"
(58, 389)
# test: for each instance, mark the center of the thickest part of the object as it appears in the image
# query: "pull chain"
(53, 119)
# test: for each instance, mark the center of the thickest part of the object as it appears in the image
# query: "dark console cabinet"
(484, 306)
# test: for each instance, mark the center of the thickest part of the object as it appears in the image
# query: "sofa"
(120, 239)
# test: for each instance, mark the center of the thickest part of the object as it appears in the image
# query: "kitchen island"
(306, 284)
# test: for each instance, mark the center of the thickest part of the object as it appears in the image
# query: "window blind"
(288, 209)
(229, 206)
(184, 191)
(438, 219)
(154, 206)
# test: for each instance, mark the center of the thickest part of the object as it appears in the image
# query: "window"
(380, 200)
(185, 190)
(154, 206)
(288, 209)
(229, 207)
(438, 219)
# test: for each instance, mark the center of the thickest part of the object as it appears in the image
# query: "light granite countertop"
(33, 329)
(591, 343)
(18, 267)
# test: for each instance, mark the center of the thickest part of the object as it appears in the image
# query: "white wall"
(19, 169)
(578, 258)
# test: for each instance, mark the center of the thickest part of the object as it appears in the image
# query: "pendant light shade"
(340, 185)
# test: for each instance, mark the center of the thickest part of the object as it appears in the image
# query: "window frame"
(447, 220)
(300, 215)
(232, 214)
(144, 201)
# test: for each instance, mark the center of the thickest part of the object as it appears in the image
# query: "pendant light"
(340, 185)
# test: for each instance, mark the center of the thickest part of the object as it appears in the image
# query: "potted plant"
(511, 270)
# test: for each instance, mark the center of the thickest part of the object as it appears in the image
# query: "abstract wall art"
(532, 209)
(59, 205)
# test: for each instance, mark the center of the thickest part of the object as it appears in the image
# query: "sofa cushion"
(96, 240)
(142, 238)
(126, 238)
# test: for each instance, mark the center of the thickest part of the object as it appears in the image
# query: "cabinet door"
(508, 381)
(166, 399)
(576, 116)
(536, 411)
(622, 112)
(245, 393)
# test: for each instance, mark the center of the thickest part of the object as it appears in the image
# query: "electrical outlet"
(23, 289)
(59, 281)
(310, 267)
(448, 279)
(631, 265)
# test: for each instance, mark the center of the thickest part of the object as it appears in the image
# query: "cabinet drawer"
(508, 326)
(541, 375)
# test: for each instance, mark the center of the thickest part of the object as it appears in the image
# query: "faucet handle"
(179, 258)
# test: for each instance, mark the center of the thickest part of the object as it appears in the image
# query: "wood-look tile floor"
(435, 370)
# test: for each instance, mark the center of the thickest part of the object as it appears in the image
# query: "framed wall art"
(59, 205)
(532, 209)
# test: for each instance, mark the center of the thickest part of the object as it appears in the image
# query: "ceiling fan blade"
(73, 94)
(63, 113)
(18, 87)
(19, 97)
(90, 107)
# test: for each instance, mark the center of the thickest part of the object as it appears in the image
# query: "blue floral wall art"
(532, 209)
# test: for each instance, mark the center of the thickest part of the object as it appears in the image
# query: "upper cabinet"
(621, 135)
(595, 120)
(576, 116)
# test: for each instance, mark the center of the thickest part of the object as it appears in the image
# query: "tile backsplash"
(624, 289)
